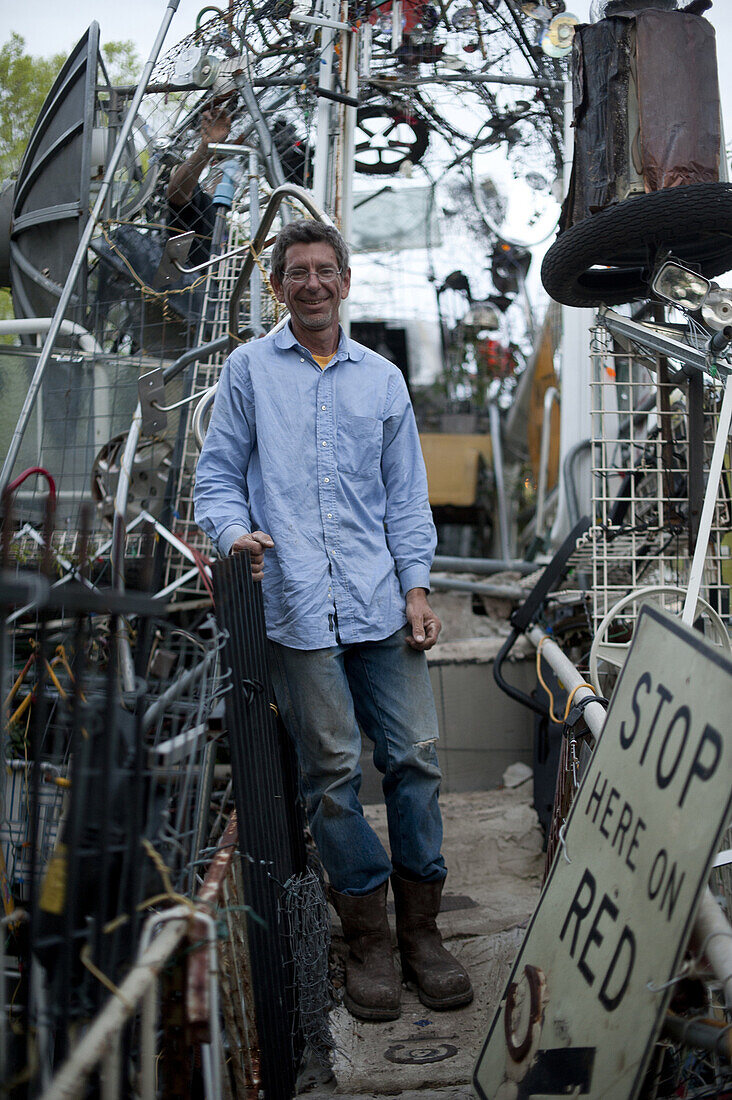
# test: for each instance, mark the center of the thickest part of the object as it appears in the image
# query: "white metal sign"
(587, 994)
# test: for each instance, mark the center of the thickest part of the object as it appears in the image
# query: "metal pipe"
(255, 281)
(714, 1037)
(199, 413)
(713, 938)
(321, 161)
(710, 499)
(201, 352)
(500, 591)
(80, 255)
(441, 563)
(349, 48)
(117, 549)
(269, 150)
(656, 341)
(550, 396)
(570, 482)
(276, 198)
(594, 713)
(176, 689)
(36, 326)
(495, 424)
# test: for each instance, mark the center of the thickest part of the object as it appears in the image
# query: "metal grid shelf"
(652, 440)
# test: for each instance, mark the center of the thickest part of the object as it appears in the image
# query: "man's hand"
(422, 619)
(215, 127)
(256, 543)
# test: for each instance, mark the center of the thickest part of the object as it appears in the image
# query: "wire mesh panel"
(653, 432)
(105, 804)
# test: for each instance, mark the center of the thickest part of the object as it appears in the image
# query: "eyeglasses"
(300, 275)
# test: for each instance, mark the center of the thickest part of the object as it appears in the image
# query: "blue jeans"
(324, 695)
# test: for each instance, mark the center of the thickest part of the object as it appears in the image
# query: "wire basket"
(16, 826)
(652, 440)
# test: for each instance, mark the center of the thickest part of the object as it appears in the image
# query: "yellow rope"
(169, 893)
(555, 718)
(148, 291)
(101, 976)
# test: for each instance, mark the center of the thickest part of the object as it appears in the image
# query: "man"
(312, 463)
(191, 208)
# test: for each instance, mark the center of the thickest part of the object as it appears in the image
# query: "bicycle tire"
(608, 258)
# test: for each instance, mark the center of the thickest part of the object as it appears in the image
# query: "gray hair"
(306, 231)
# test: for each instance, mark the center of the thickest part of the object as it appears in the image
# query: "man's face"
(313, 304)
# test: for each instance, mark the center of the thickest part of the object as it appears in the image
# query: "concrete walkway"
(493, 849)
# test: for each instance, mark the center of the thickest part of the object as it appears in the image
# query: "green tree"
(121, 61)
(25, 81)
(24, 84)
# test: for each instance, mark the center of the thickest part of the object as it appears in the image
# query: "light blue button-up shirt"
(327, 462)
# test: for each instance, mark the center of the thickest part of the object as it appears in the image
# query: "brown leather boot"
(442, 982)
(373, 988)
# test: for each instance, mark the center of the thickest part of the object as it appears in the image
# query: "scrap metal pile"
(118, 778)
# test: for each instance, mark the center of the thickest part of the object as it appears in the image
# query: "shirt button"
(326, 480)
(323, 407)
(330, 515)
(302, 360)
(324, 443)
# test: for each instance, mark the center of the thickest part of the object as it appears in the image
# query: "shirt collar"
(347, 348)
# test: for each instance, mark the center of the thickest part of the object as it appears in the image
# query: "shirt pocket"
(359, 440)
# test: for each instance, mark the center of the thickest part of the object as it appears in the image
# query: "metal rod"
(255, 281)
(710, 500)
(180, 685)
(594, 712)
(349, 48)
(500, 591)
(550, 396)
(469, 78)
(657, 342)
(288, 190)
(321, 161)
(80, 255)
(441, 563)
(495, 424)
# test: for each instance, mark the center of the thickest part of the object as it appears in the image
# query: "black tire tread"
(693, 222)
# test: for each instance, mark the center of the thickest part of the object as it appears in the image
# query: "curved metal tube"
(36, 326)
(207, 397)
(199, 413)
(287, 190)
